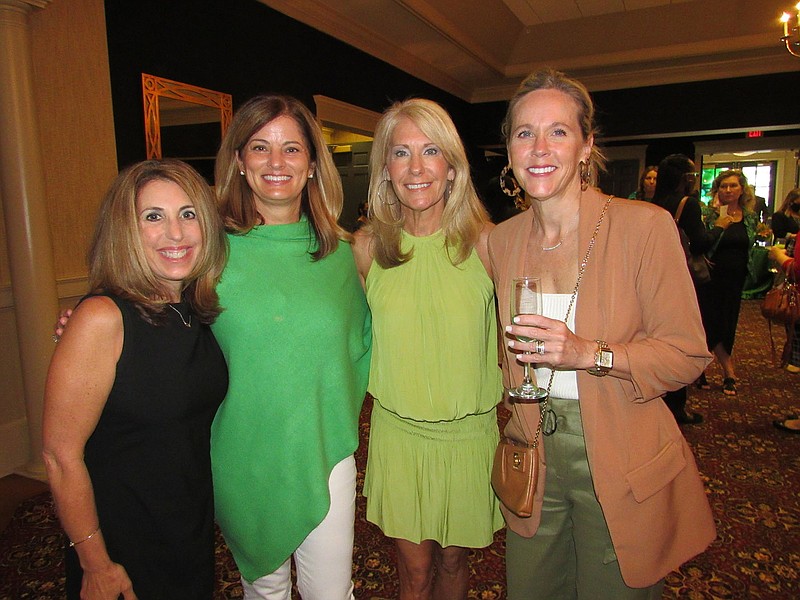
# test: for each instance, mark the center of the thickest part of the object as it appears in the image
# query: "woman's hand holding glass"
(526, 299)
(560, 347)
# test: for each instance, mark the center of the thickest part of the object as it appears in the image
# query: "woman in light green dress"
(422, 257)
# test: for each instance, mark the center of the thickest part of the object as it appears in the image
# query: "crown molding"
(354, 118)
(24, 5)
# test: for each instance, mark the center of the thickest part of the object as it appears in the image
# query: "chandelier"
(791, 30)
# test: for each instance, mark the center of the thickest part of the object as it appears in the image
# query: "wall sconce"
(791, 31)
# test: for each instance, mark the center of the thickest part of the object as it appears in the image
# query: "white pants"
(324, 561)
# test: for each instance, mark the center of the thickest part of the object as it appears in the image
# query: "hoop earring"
(503, 175)
(520, 202)
(381, 193)
(586, 175)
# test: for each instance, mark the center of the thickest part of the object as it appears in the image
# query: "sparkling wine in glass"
(526, 299)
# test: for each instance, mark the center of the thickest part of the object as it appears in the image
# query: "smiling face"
(418, 170)
(545, 144)
(730, 190)
(277, 164)
(170, 233)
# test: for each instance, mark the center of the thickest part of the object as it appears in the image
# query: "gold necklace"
(184, 321)
(561, 241)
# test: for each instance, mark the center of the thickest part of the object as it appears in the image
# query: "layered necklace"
(561, 241)
(186, 323)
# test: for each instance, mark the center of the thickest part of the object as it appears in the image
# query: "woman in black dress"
(677, 180)
(787, 218)
(721, 298)
(132, 390)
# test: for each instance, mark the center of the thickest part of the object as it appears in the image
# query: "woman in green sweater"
(295, 332)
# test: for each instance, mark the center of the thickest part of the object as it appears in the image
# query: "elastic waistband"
(451, 431)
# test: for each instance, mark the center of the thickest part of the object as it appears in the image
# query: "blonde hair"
(549, 79)
(748, 199)
(463, 217)
(117, 260)
(322, 198)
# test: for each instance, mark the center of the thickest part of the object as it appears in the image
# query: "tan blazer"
(637, 292)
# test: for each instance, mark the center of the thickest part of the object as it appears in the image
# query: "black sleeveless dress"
(149, 458)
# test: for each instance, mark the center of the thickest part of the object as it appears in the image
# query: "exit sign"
(752, 134)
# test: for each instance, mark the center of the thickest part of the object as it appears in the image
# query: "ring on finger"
(539, 347)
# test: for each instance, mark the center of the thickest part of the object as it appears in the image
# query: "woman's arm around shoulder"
(80, 378)
(362, 252)
(482, 247)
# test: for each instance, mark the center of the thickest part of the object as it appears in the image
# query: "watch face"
(604, 359)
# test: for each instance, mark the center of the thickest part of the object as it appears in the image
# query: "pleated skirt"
(431, 481)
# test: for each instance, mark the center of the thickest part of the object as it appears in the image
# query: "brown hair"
(117, 261)
(463, 217)
(792, 196)
(322, 198)
(647, 169)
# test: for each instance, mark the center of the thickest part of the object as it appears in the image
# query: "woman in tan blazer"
(619, 502)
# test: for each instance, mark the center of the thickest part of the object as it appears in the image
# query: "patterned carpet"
(750, 468)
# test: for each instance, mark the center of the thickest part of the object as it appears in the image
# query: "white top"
(565, 383)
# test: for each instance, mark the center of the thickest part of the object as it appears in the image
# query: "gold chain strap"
(584, 262)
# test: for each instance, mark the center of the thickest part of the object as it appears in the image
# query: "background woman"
(678, 180)
(424, 261)
(721, 297)
(132, 390)
(791, 267)
(787, 218)
(296, 335)
(616, 462)
(647, 184)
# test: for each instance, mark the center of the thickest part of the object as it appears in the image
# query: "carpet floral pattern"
(751, 471)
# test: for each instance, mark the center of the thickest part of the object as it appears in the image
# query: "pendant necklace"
(561, 241)
(184, 321)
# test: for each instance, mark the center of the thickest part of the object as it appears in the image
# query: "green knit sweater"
(296, 335)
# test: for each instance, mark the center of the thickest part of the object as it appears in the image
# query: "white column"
(22, 188)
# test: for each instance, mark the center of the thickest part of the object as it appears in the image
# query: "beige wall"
(73, 106)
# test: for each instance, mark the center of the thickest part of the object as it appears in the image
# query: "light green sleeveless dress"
(436, 384)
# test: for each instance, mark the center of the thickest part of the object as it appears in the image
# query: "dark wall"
(746, 102)
(243, 48)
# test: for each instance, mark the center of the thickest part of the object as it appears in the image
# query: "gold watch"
(603, 360)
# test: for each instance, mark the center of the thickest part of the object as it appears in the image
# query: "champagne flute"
(526, 299)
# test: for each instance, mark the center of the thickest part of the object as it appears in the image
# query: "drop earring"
(586, 175)
(519, 201)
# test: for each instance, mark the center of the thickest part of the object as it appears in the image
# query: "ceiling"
(479, 50)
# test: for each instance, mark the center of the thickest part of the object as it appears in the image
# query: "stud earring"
(241, 172)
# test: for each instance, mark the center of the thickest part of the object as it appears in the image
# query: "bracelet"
(86, 539)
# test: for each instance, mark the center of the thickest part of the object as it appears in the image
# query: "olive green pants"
(571, 556)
